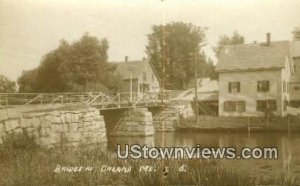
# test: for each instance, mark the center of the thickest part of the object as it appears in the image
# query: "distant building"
(138, 77)
(259, 77)
(295, 78)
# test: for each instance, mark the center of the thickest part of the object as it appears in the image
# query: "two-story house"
(254, 78)
(139, 77)
(295, 78)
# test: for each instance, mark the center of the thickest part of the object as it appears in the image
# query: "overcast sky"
(31, 28)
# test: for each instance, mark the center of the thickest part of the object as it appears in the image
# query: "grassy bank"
(24, 163)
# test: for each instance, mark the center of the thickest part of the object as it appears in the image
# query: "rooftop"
(131, 68)
(254, 56)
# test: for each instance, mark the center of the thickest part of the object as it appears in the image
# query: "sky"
(29, 29)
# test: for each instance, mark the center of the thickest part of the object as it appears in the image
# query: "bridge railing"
(89, 98)
(11, 99)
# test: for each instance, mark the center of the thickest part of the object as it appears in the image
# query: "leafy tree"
(6, 85)
(172, 49)
(79, 66)
(28, 81)
(234, 39)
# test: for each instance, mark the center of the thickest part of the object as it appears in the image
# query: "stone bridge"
(140, 121)
(73, 125)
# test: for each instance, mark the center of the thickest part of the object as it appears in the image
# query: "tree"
(79, 66)
(28, 81)
(234, 39)
(171, 50)
(6, 85)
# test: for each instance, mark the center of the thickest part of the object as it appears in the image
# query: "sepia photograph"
(156, 92)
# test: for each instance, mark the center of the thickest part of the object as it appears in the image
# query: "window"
(296, 88)
(263, 86)
(234, 87)
(234, 106)
(264, 105)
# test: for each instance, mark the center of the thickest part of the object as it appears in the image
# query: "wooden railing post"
(119, 100)
(6, 100)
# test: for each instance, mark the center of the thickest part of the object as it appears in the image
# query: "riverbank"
(286, 124)
(25, 163)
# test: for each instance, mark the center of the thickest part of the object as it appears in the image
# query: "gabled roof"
(253, 56)
(133, 69)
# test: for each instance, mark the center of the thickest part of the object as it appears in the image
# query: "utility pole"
(196, 88)
(130, 88)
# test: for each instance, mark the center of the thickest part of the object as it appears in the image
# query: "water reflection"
(288, 151)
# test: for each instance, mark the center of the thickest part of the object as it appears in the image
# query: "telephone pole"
(196, 88)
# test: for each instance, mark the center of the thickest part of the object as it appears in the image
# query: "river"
(287, 145)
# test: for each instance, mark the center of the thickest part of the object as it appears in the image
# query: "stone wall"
(165, 119)
(185, 110)
(55, 128)
(134, 122)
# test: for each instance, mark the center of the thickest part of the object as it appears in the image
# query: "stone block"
(45, 122)
(11, 124)
(42, 131)
(18, 130)
(44, 141)
(73, 136)
(62, 119)
(2, 129)
(25, 122)
(35, 122)
(75, 118)
(72, 127)
(56, 128)
(55, 113)
(68, 118)
(88, 119)
(65, 127)
(35, 134)
(56, 119)
(55, 138)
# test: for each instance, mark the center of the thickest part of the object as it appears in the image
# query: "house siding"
(138, 73)
(294, 93)
(248, 90)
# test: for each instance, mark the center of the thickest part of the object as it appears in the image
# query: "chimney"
(268, 42)
(296, 34)
(126, 58)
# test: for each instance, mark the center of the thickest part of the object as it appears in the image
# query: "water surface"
(288, 147)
